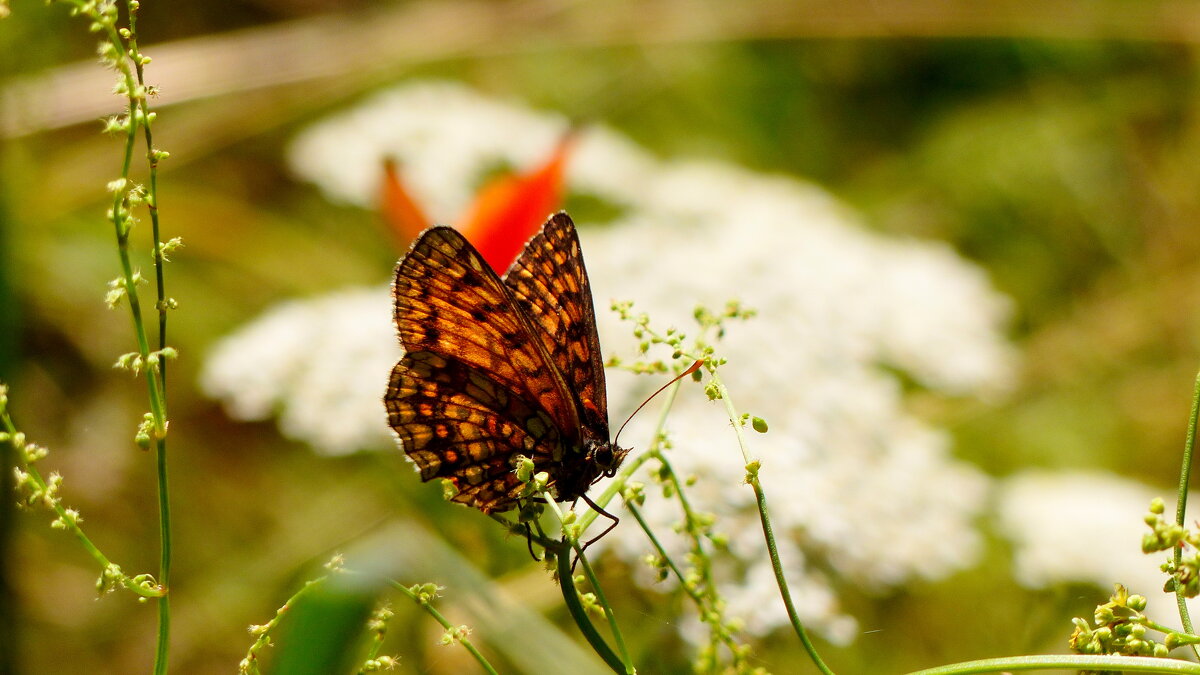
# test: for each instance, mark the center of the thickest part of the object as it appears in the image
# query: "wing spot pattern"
(496, 367)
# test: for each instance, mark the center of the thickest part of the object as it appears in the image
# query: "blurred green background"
(1054, 144)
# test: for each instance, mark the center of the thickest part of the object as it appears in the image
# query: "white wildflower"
(850, 474)
(1081, 527)
(321, 365)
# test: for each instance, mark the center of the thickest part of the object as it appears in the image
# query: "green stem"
(1132, 664)
(662, 553)
(768, 532)
(571, 538)
(608, 613)
(566, 584)
(437, 616)
(1183, 638)
(164, 563)
(249, 664)
(156, 373)
(1185, 473)
(56, 505)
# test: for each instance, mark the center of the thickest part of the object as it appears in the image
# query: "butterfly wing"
(449, 301)
(550, 284)
(456, 422)
(475, 386)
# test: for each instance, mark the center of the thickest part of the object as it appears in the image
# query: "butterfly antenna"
(693, 368)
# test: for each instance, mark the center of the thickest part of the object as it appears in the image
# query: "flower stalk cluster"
(118, 49)
(696, 576)
(35, 492)
(423, 595)
(1120, 628)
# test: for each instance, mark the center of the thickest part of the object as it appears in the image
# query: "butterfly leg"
(529, 542)
(527, 515)
(597, 508)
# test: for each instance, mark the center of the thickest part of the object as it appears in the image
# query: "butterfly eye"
(604, 456)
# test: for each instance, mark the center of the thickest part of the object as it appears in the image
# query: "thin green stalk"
(768, 532)
(437, 616)
(702, 602)
(662, 553)
(690, 519)
(124, 53)
(578, 613)
(1185, 473)
(608, 613)
(164, 563)
(70, 521)
(139, 115)
(571, 536)
(262, 632)
(1127, 664)
(708, 602)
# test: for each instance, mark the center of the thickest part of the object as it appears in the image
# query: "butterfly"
(500, 367)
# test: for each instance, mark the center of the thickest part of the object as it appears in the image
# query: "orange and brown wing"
(457, 422)
(550, 284)
(448, 301)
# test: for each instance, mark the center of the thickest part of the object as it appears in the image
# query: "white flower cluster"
(321, 365)
(1083, 527)
(853, 479)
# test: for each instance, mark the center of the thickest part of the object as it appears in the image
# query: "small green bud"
(524, 468)
(1157, 506)
(752, 469)
(35, 452)
(1136, 602)
(759, 424)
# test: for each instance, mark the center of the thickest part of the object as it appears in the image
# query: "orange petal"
(509, 210)
(403, 217)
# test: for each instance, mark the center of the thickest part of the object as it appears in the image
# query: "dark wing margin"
(457, 423)
(449, 302)
(550, 284)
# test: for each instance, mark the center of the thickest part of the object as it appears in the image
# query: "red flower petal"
(509, 210)
(403, 217)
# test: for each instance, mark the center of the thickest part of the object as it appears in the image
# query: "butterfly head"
(606, 456)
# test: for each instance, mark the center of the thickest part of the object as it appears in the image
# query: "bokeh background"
(1051, 145)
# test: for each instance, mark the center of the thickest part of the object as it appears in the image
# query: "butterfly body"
(496, 368)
